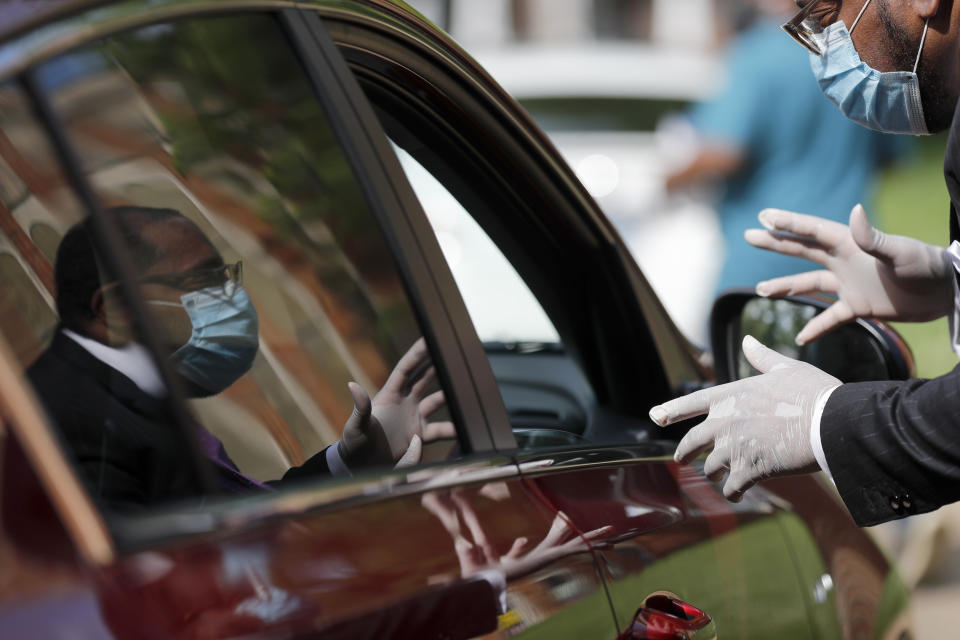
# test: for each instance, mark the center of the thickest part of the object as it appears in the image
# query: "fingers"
(516, 550)
(695, 404)
(560, 531)
(496, 491)
(836, 314)
(408, 365)
(599, 533)
(419, 388)
(439, 431)
(432, 403)
(826, 233)
(441, 506)
(789, 245)
(697, 440)
(822, 281)
(472, 521)
(736, 485)
(716, 464)
(868, 237)
(763, 358)
(359, 420)
(411, 457)
(469, 555)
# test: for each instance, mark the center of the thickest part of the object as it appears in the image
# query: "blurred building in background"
(664, 23)
(607, 80)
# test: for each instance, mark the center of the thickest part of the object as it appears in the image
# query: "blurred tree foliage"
(231, 87)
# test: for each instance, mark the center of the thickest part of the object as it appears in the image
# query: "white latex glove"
(758, 427)
(874, 275)
(393, 427)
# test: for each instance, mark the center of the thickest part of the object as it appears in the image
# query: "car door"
(579, 347)
(187, 130)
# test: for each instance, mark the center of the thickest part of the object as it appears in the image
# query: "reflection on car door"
(457, 549)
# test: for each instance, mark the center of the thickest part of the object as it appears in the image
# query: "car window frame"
(394, 207)
(671, 358)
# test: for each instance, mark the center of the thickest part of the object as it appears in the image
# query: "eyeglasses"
(807, 26)
(227, 276)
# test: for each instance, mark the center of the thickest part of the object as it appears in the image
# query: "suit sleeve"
(893, 448)
(315, 466)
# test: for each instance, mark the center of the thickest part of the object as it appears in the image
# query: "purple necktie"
(232, 480)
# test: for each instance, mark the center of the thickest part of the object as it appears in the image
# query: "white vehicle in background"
(614, 112)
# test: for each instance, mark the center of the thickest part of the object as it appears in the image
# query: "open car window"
(501, 305)
(277, 304)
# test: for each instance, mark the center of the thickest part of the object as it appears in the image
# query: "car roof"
(17, 16)
(601, 70)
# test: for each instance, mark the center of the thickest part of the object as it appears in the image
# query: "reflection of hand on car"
(480, 556)
(873, 274)
(392, 428)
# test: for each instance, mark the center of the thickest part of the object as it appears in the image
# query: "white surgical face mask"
(883, 101)
(224, 340)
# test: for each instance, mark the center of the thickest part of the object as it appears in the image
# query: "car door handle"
(663, 616)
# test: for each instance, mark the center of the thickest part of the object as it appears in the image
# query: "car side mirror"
(855, 352)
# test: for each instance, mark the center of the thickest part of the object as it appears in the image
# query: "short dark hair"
(77, 272)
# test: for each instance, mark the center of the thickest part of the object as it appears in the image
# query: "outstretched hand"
(392, 428)
(480, 554)
(873, 274)
(758, 427)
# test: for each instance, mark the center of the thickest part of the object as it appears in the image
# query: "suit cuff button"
(907, 503)
(895, 504)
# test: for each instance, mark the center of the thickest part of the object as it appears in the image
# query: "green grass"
(911, 199)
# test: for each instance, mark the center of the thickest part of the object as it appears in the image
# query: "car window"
(581, 364)
(277, 305)
(549, 400)
(501, 305)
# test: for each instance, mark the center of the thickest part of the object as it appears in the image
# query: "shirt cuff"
(335, 463)
(953, 251)
(498, 581)
(815, 442)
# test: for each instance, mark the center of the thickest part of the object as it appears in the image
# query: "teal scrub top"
(802, 153)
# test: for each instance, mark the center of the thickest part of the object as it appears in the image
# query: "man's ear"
(109, 321)
(98, 304)
(925, 8)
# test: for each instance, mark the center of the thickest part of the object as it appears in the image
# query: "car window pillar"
(393, 202)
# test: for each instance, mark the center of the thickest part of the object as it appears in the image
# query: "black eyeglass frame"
(798, 27)
(197, 279)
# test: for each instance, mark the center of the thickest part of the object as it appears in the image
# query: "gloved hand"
(758, 427)
(874, 275)
(393, 427)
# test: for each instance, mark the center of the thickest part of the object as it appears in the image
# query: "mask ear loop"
(860, 15)
(923, 39)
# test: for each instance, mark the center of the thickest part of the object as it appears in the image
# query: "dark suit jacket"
(893, 448)
(129, 451)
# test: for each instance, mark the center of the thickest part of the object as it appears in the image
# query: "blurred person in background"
(770, 137)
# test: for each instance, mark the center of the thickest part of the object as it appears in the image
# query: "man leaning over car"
(891, 447)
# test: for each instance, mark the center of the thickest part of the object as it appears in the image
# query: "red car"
(219, 418)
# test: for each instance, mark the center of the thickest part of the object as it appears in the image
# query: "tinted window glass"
(32, 189)
(278, 304)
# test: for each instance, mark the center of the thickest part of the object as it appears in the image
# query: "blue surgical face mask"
(224, 340)
(883, 101)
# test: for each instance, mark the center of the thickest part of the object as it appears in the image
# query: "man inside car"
(103, 390)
